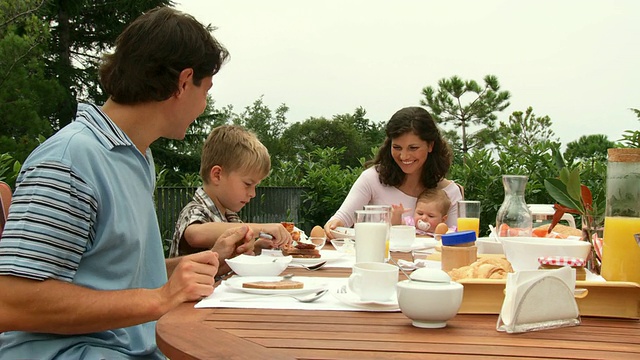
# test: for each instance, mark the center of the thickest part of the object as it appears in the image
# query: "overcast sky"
(577, 61)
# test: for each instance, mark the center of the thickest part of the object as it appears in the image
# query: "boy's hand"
(281, 237)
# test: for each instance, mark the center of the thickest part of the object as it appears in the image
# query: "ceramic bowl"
(430, 298)
(489, 245)
(245, 265)
(345, 246)
(523, 252)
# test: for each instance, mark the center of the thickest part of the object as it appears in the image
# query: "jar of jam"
(556, 262)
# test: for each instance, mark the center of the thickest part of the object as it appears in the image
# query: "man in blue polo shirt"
(82, 271)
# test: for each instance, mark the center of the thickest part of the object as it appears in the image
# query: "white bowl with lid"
(429, 298)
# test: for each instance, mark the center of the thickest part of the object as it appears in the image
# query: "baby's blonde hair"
(234, 148)
(437, 196)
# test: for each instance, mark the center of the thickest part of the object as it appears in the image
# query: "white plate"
(344, 232)
(325, 255)
(344, 295)
(419, 243)
(310, 285)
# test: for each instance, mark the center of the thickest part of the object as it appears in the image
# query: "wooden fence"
(271, 204)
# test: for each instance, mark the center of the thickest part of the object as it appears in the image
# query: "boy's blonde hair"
(234, 148)
(438, 196)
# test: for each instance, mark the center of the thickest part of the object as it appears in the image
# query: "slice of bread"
(301, 253)
(274, 285)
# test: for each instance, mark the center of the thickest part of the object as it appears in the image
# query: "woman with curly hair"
(413, 157)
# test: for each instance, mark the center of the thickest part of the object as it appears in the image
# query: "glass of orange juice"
(469, 216)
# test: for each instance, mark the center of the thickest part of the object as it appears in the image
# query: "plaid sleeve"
(50, 224)
(193, 213)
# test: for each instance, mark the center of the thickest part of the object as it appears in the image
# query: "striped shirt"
(83, 212)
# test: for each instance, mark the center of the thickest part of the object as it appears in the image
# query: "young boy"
(432, 207)
(233, 163)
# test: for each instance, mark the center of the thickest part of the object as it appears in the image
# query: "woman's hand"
(332, 225)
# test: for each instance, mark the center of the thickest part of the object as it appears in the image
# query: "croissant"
(486, 268)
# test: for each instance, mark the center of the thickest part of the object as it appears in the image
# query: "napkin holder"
(547, 302)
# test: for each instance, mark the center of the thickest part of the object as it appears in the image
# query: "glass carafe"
(514, 217)
(621, 240)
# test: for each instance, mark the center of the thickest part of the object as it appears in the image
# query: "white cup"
(372, 232)
(374, 281)
(402, 235)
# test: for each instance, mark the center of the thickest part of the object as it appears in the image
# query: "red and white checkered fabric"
(561, 261)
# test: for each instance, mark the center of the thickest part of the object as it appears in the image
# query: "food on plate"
(317, 231)
(302, 250)
(273, 285)
(291, 228)
(558, 232)
(485, 268)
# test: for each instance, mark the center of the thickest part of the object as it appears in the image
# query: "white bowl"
(345, 246)
(489, 245)
(245, 265)
(429, 304)
(523, 252)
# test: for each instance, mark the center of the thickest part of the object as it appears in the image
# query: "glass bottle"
(514, 217)
(621, 241)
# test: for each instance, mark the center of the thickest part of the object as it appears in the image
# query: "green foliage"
(631, 138)
(588, 149)
(326, 183)
(9, 169)
(23, 80)
(464, 104)
(345, 131)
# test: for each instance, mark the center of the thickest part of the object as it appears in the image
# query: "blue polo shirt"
(83, 212)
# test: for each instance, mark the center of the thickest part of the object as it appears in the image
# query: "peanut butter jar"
(458, 249)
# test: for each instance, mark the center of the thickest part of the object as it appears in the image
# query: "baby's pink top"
(367, 190)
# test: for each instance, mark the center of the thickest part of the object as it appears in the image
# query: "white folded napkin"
(418, 263)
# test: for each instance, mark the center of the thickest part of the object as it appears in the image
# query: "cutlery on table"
(310, 267)
(306, 298)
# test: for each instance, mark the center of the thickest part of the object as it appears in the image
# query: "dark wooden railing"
(271, 204)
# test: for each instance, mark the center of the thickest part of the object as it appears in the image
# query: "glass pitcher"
(514, 217)
(621, 241)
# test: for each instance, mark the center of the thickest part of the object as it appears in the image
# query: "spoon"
(307, 298)
(401, 269)
(310, 267)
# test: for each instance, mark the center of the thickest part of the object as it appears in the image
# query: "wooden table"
(188, 333)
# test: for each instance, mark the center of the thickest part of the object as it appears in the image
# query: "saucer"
(346, 296)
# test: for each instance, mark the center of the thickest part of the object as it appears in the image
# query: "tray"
(602, 298)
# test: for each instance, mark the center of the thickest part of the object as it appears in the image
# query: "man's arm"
(54, 306)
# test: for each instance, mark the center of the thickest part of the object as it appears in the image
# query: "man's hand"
(193, 278)
(238, 240)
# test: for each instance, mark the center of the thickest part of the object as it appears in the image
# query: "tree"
(80, 31)
(448, 105)
(588, 149)
(631, 138)
(24, 86)
(266, 124)
(526, 130)
(352, 132)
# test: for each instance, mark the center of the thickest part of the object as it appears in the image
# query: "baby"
(431, 209)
